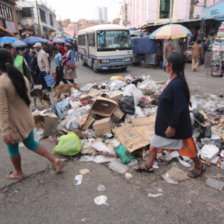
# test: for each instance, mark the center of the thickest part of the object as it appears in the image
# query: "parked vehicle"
(144, 51)
(105, 47)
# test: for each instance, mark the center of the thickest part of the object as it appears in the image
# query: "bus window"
(91, 39)
(109, 40)
(82, 40)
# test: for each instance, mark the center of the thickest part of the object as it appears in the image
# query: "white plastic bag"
(208, 152)
(132, 90)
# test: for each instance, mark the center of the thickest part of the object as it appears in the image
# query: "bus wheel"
(83, 62)
(95, 69)
(124, 69)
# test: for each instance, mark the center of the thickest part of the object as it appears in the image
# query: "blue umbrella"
(7, 39)
(33, 40)
(12, 40)
(68, 39)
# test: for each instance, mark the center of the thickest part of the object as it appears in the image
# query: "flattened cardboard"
(135, 136)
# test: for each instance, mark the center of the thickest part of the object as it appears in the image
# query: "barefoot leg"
(18, 173)
(41, 150)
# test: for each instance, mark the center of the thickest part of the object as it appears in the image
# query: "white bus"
(105, 47)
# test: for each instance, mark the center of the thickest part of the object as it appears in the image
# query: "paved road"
(43, 197)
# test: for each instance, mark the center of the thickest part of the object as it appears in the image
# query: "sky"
(84, 9)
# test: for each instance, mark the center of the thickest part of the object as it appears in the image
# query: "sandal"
(192, 174)
(146, 169)
(12, 176)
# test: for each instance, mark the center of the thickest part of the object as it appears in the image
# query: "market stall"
(217, 65)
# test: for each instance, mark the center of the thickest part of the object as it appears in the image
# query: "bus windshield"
(110, 40)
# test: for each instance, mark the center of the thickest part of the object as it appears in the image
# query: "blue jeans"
(42, 80)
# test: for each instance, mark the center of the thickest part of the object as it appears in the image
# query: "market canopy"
(33, 40)
(173, 31)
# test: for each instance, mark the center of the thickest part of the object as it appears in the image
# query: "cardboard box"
(115, 95)
(48, 123)
(102, 126)
(104, 107)
(117, 115)
(86, 122)
(136, 135)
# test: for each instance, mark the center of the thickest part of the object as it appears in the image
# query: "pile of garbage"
(115, 119)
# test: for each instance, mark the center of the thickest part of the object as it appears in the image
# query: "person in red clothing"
(61, 48)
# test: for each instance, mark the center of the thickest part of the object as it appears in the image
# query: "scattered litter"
(218, 185)
(167, 178)
(96, 159)
(154, 195)
(128, 176)
(117, 166)
(133, 162)
(78, 179)
(177, 174)
(101, 187)
(84, 171)
(208, 152)
(101, 200)
(184, 163)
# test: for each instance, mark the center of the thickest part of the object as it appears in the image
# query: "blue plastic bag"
(49, 79)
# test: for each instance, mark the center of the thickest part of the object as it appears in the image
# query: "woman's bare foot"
(58, 166)
(15, 175)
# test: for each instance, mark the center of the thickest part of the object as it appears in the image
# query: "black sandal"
(146, 170)
(192, 174)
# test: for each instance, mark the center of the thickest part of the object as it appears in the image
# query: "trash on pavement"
(83, 171)
(175, 175)
(126, 104)
(69, 145)
(208, 152)
(101, 200)
(38, 134)
(61, 108)
(96, 159)
(78, 179)
(150, 195)
(117, 166)
(128, 176)
(124, 154)
(214, 183)
(101, 187)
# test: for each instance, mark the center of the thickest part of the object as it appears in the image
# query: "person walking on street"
(196, 54)
(173, 129)
(43, 64)
(69, 63)
(16, 120)
(169, 48)
(34, 68)
(205, 48)
(59, 67)
(20, 62)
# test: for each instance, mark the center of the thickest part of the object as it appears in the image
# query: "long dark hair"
(178, 61)
(17, 78)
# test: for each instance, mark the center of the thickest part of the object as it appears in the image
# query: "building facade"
(8, 17)
(141, 12)
(36, 18)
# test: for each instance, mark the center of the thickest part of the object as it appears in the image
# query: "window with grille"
(5, 12)
(42, 15)
(27, 12)
(51, 20)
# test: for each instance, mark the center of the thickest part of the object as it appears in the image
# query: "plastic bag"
(68, 145)
(61, 108)
(127, 104)
(49, 79)
(124, 154)
(135, 92)
(116, 85)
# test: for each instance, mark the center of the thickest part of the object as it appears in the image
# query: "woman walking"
(173, 130)
(69, 63)
(16, 121)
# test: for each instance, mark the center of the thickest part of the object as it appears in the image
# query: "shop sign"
(213, 12)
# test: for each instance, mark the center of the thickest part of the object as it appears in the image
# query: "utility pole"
(171, 11)
(38, 18)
